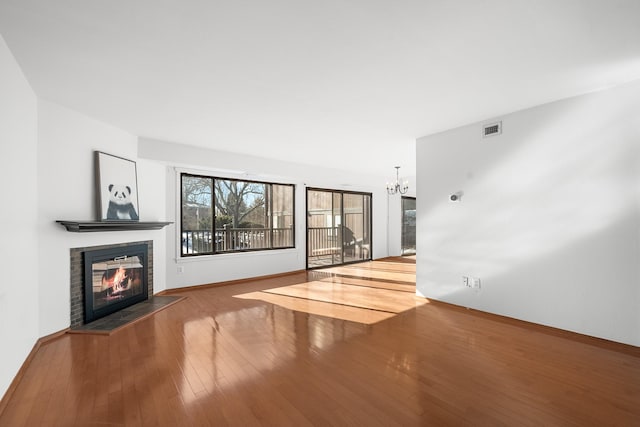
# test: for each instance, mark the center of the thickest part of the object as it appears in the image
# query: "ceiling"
(348, 84)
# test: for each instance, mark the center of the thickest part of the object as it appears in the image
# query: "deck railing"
(320, 240)
(235, 239)
(324, 240)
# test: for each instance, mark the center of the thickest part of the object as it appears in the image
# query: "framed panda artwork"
(117, 188)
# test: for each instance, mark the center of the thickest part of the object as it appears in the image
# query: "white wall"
(66, 191)
(18, 252)
(223, 267)
(549, 220)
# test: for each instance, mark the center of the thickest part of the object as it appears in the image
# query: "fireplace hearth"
(106, 279)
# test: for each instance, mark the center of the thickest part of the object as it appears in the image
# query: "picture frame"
(116, 188)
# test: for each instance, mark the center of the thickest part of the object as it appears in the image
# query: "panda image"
(120, 205)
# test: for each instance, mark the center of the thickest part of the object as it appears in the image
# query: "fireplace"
(106, 279)
(114, 278)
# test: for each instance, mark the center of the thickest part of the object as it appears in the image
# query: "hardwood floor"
(343, 346)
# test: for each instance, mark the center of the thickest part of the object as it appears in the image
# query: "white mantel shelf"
(92, 226)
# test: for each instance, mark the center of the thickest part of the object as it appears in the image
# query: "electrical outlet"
(180, 269)
(475, 283)
(465, 281)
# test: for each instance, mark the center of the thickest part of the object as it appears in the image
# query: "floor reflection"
(253, 354)
(320, 308)
(294, 325)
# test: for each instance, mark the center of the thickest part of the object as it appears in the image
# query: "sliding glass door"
(408, 226)
(338, 227)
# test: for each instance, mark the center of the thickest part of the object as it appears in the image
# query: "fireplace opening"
(114, 278)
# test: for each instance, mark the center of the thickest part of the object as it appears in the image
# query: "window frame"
(269, 208)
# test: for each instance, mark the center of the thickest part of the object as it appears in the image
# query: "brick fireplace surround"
(77, 277)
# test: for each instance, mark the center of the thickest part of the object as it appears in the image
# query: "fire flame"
(119, 282)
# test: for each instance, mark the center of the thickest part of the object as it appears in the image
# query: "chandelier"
(397, 187)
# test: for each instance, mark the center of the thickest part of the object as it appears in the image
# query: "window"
(221, 215)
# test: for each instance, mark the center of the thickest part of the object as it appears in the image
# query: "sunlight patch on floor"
(364, 293)
(321, 308)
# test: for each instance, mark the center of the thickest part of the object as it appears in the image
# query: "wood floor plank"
(349, 295)
(321, 308)
(402, 276)
(303, 350)
(369, 283)
(409, 268)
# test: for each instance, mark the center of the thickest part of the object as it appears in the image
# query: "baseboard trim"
(228, 282)
(603, 343)
(16, 380)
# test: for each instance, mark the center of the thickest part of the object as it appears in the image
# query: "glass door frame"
(368, 230)
(402, 226)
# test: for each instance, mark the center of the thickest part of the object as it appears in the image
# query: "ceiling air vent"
(492, 129)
